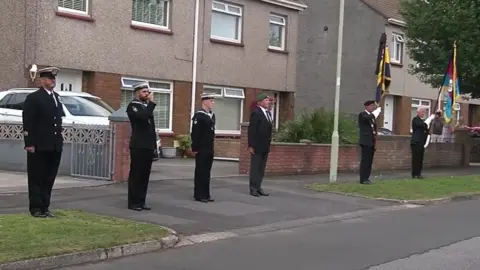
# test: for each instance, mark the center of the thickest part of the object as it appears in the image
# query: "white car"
(79, 108)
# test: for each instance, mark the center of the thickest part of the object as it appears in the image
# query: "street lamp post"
(335, 136)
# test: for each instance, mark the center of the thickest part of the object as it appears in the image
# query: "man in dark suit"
(259, 139)
(367, 139)
(42, 130)
(142, 145)
(203, 137)
(418, 140)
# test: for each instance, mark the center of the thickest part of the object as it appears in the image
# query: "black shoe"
(201, 200)
(254, 193)
(145, 207)
(135, 208)
(39, 215)
(49, 214)
(210, 200)
(417, 177)
(263, 193)
(368, 182)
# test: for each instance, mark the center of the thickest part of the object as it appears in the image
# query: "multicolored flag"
(450, 87)
(384, 78)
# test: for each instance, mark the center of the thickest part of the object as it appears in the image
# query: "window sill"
(165, 133)
(233, 135)
(224, 42)
(274, 50)
(80, 17)
(151, 29)
(396, 64)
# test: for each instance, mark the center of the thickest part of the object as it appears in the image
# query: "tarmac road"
(436, 237)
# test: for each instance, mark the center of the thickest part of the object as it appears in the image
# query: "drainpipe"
(194, 64)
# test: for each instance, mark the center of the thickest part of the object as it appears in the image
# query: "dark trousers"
(42, 168)
(258, 162)
(418, 152)
(140, 167)
(203, 167)
(366, 161)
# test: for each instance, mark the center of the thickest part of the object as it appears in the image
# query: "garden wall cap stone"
(306, 141)
(119, 115)
(245, 124)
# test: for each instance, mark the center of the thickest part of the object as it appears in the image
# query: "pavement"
(439, 237)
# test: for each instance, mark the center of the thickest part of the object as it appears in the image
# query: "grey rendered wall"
(316, 63)
(110, 45)
(12, 30)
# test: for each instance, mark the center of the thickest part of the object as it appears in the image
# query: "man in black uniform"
(203, 136)
(42, 130)
(142, 145)
(418, 140)
(367, 139)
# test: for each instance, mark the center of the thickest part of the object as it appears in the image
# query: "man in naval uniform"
(142, 145)
(203, 136)
(42, 130)
(367, 139)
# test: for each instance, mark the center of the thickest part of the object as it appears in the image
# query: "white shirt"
(53, 96)
(266, 114)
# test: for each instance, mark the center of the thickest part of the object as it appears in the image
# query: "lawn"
(408, 189)
(24, 237)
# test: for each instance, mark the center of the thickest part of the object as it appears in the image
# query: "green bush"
(317, 126)
(184, 142)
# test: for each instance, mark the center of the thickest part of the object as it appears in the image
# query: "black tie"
(269, 116)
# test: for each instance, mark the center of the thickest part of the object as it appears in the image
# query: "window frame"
(128, 87)
(223, 96)
(283, 41)
(74, 11)
(155, 26)
(240, 23)
(397, 39)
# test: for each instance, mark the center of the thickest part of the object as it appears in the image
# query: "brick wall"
(393, 153)
(227, 147)
(122, 150)
(104, 85)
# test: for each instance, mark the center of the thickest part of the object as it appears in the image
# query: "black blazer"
(42, 121)
(259, 132)
(203, 132)
(143, 125)
(419, 131)
(367, 129)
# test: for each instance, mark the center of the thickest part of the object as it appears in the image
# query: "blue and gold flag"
(450, 86)
(384, 78)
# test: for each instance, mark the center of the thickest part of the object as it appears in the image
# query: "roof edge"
(287, 3)
(396, 22)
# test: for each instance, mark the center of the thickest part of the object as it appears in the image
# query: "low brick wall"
(227, 147)
(393, 153)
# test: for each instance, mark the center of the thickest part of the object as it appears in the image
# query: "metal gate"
(92, 151)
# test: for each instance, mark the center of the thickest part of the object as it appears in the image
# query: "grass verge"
(408, 189)
(24, 237)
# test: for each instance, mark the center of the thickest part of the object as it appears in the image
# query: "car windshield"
(86, 106)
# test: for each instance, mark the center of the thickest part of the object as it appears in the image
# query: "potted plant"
(184, 145)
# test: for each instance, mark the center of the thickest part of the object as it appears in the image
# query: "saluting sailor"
(367, 139)
(142, 145)
(42, 129)
(203, 136)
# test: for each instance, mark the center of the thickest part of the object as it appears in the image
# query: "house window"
(416, 103)
(228, 108)
(277, 32)
(163, 97)
(226, 22)
(398, 43)
(73, 6)
(151, 13)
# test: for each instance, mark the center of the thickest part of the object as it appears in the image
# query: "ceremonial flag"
(382, 70)
(450, 87)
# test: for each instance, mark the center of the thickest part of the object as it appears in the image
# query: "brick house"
(365, 21)
(243, 47)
